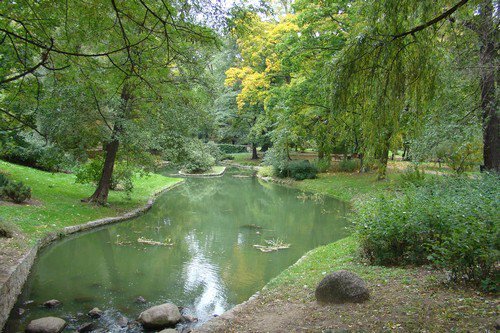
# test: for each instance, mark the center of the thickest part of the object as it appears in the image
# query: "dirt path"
(395, 306)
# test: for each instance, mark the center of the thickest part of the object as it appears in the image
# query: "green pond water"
(213, 265)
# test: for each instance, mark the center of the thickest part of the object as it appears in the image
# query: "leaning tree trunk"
(491, 124)
(100, 196)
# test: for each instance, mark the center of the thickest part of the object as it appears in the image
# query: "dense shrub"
(3, 180)
(276, 157)
(450, 222)
(413, 176)
(17, 192)
(298, 170)
(348, 165)
(90, 173)
(232, 149)
(215, 151)
(34, 154)
(266, 171)
(198, 158)
(324, 164)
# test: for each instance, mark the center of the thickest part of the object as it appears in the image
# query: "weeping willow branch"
(435, 20)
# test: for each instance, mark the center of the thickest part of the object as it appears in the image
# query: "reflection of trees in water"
(196, 190)
(200, 273)
(213, 258)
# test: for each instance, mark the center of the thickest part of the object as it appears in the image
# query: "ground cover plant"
(450, 222)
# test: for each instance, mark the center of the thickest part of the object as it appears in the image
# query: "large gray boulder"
(342, 287)
(160, 316)
(46, 325)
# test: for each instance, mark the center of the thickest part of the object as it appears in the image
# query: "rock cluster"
(160, 317)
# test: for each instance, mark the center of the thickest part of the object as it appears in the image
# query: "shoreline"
(12, 283)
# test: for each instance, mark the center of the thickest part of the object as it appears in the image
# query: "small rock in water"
(189, 318)
(122, 322)
(95, 313)
(342, 287)
(169, 330)
(21, 311)
(52, 303)
(140, 300)
(29, 302)
(87, 327)
(160, 316)
(46, 325)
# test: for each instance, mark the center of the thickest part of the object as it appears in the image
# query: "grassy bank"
(403, 299)
(56, 200)
(411, 299)
(348, 186)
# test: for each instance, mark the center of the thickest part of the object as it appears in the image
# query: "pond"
(212, 264)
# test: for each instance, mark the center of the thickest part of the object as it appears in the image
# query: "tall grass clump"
(450, 222)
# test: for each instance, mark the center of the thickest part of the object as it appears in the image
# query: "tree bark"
(254, 152)
(491, 124)
(100, 196)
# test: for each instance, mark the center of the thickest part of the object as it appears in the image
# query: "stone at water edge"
(169, 330)
(46, 325)
(87, 327)
(95, 313)
(140, 300)
(160, 316)
(122, 322)
(189, 318)
(52, 303)
(342, 287)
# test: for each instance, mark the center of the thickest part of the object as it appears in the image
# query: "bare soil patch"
(416, 303)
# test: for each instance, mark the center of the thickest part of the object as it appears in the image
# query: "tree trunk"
(361, 163)
(491, 124)
(100, 196)
(254, 152)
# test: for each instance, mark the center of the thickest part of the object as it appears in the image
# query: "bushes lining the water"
(298, 170)
(450, 222)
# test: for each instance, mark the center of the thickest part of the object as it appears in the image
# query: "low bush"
(348, 165)
(198, 158)
(34, 154)
(3, 180)
(413, 176)
(450, 222)
(215, 151)
(232, 149)
(266, 171)
(17, 192)
(298, 170)
(324, 164)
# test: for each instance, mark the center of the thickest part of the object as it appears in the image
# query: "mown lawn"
(348, 186)
(56, 200)
(246, 159)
